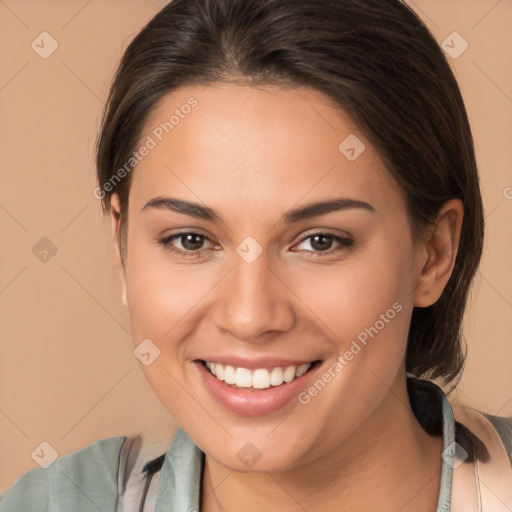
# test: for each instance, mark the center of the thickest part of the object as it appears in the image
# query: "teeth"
(302, 369)
(219, 371)
(276, 377)
(229, 375)
(289, 373)
(261, 379)
(257, 379)
(243, 378)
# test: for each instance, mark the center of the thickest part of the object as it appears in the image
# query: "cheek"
(364, 307)
(161, 302)
(160, 294)
(353, 295)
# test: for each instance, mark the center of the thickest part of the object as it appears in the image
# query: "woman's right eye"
(190, 242)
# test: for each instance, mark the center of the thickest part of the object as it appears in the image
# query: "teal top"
(89, 479)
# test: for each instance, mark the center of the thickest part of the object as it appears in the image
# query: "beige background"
(67, 372)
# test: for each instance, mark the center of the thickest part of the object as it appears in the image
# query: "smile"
(260, 378)
(268, 385)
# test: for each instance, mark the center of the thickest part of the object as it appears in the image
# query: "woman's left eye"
(191, 243)
(322, 242)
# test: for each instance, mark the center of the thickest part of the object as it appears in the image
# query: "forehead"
(255, 145)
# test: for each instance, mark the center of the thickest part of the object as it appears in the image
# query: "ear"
(115, 223)
(438, 253)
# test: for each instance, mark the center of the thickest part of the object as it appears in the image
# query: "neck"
(391, 464)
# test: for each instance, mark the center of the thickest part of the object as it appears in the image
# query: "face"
(230, 262)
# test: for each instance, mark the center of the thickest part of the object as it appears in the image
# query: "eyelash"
(166, 242)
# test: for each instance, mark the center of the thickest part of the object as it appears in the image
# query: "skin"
(251, 154)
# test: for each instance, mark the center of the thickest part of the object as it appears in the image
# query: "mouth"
(259, 378)
(265, 388)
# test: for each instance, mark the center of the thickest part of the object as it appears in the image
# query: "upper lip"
(256, 362)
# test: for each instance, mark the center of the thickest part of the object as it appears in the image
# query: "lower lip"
(253, 402)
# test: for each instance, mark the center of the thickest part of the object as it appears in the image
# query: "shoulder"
(494, 431)
(503, 426)
(83, 480)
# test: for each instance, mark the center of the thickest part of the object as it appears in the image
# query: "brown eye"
(191, 243)
(323, 242)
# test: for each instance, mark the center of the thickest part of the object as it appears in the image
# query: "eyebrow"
(307, 211)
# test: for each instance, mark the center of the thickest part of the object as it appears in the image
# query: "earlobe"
(124, 297)
(115, 218)
(441, 247)
(115, 223)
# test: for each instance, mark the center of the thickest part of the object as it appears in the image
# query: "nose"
(253, 303)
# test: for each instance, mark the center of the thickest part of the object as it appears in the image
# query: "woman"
(295, 202)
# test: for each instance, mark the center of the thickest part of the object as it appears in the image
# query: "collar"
(180, 477)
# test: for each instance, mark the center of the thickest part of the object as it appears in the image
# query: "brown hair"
(377, 61)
